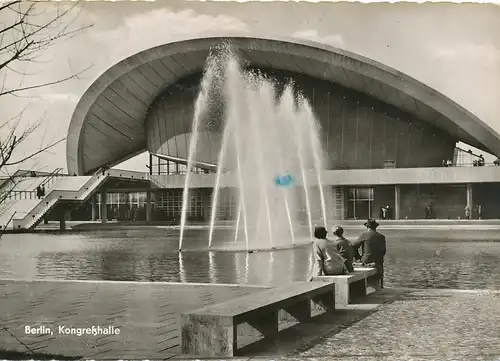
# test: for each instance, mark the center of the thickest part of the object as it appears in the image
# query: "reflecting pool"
(150, 254)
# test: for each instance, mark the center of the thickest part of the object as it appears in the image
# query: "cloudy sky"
(454, 48)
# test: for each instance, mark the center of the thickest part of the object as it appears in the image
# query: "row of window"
(360, 201)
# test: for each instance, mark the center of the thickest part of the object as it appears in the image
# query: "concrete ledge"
(212, 331)
(48, 280)
(353, 285)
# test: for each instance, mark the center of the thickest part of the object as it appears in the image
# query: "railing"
(52, 177)
(24, 194)
(130, 174)
(35, 215)
(492, 164)
(18, 195)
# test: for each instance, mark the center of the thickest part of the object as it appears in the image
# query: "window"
(360, 203)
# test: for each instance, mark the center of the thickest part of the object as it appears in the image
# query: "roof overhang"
(107, 126)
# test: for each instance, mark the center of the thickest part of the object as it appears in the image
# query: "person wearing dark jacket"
(344, 248)
(373, 247)
(327, 260)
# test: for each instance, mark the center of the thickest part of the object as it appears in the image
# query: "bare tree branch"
(27, 31)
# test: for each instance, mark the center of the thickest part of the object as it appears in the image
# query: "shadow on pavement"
(303, 336)
(16, 355)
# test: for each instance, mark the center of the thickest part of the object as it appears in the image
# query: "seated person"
(344, 248)
(327, 260)
(373, 247)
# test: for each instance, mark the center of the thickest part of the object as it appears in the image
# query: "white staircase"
(71, 188)
(15, 208)
(67, 189)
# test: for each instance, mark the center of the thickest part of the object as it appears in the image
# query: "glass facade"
(168, 167)
(161, 166)
(360, 203)
(125, 206)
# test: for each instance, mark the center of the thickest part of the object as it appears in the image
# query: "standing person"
(467, 212)
(105, 168)
(431, 212)
(427, 212)
(327, 261)
(384, 213)
(42, 191)
(38, 192)
(479, 211)
(373, 247)
(344, 248)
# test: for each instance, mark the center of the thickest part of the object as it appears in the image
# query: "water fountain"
(265, 134)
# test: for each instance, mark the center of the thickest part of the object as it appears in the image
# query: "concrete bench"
(352, 285)
(212, 331)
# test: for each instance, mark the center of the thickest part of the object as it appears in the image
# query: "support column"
(397, 202)
(65, 216)
(470, 202)
(104, 207)
(93, 205)
(148, 206)
(150, 164)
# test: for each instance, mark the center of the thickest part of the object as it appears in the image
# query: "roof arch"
(107, 126)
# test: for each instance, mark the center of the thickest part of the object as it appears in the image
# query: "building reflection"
(70, 265)
(211, 267)
(182, 270)
(462, 265)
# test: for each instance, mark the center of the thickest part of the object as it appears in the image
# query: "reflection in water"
(150, 255)
(211, 267)
(247, 267)
(182, 271)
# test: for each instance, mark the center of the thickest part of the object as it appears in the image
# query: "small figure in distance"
(327, 260)
(373, 247)
(480, 161)
(479, 211)
(105, 168)
(428, 211)
(344, 248)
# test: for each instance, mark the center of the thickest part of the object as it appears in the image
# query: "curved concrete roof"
(107, 126)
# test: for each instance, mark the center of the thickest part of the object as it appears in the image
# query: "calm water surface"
(151, 255)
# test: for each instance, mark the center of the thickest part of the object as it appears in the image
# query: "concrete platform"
(147, 315)
(393, 324)
(418, 325)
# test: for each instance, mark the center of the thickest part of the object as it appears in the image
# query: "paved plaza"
(147, 315)
(393, 324)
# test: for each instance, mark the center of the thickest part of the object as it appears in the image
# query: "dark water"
(151, 255)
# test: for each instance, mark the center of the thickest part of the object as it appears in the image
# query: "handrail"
(15, 194)
(18, 194)
(54, 195)
(40, 209)
(51, 177)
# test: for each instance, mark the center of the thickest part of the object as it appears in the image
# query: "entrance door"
(360, 203)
